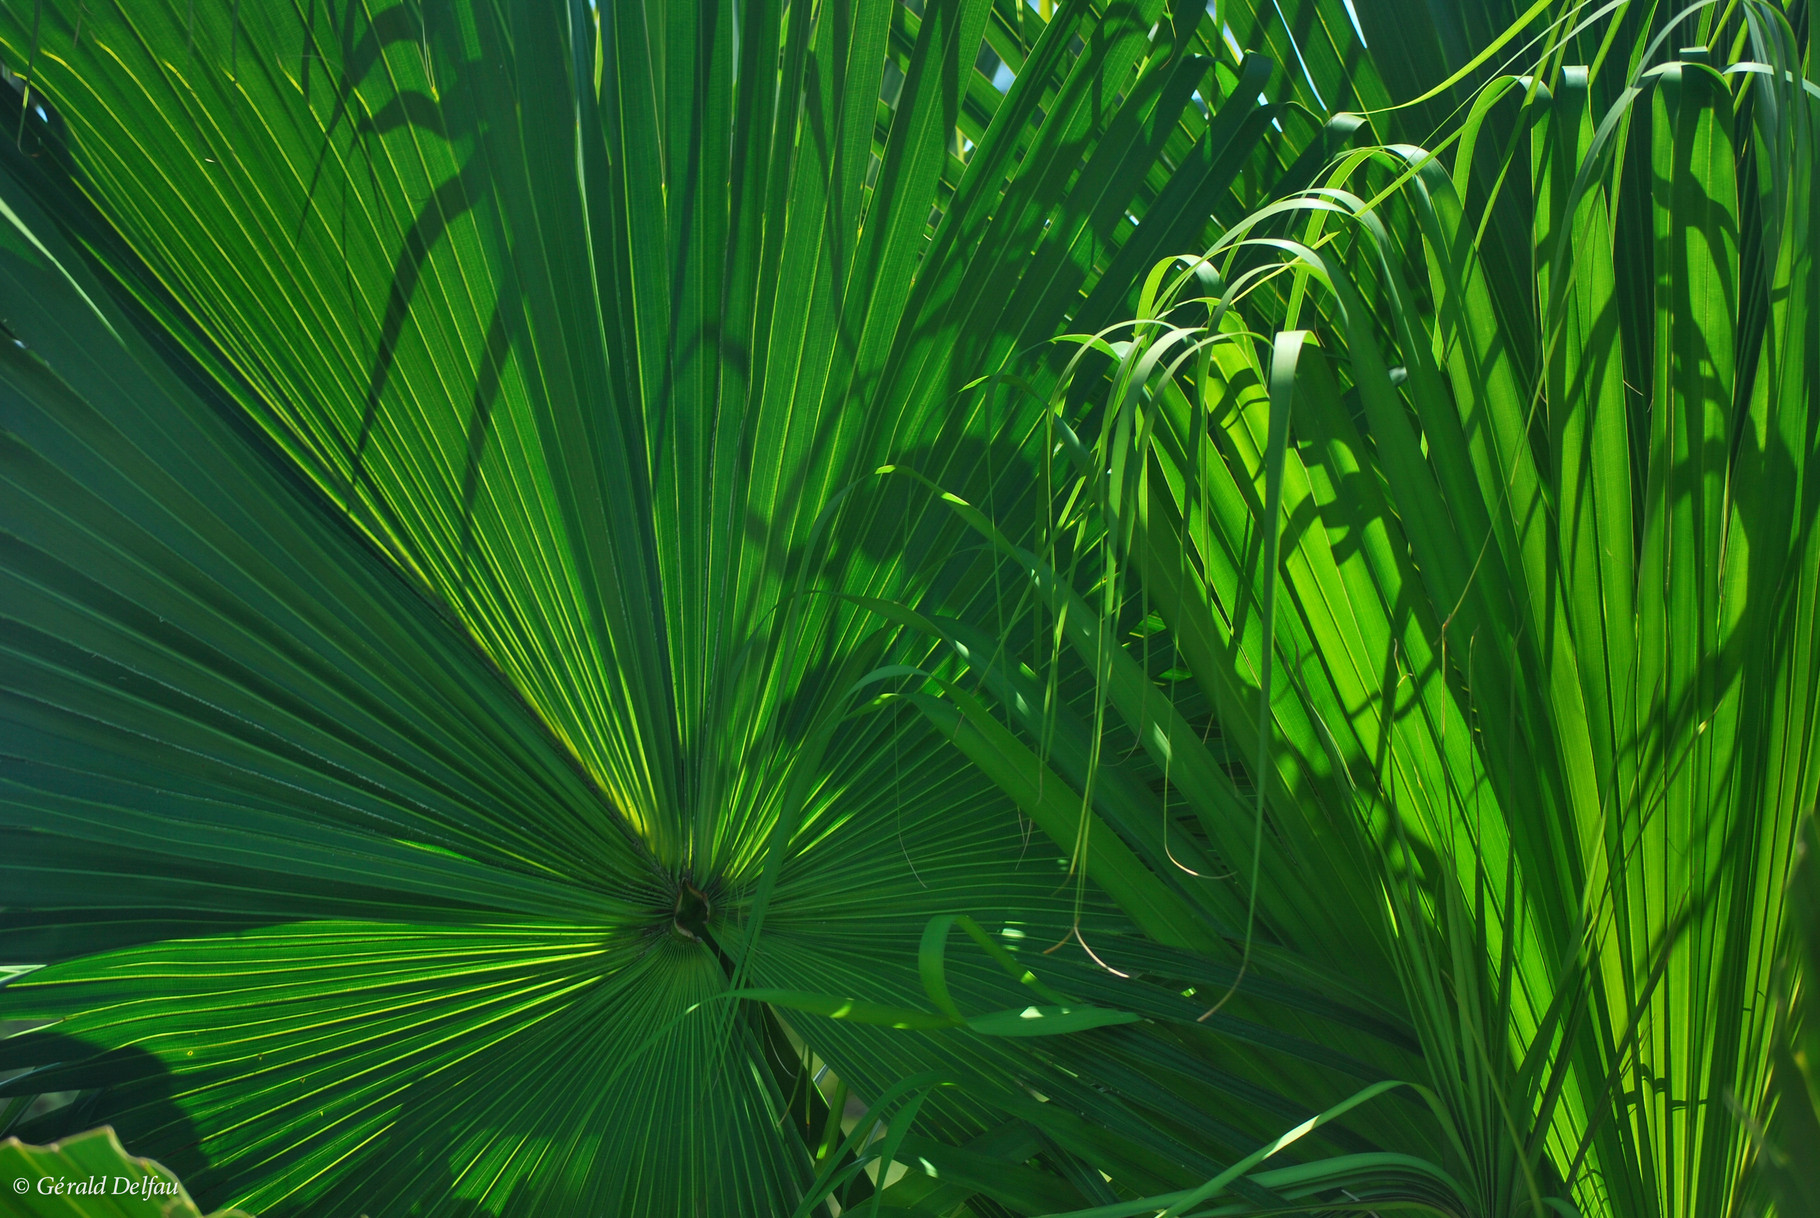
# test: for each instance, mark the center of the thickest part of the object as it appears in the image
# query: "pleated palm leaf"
(1481, 563)
(507, 551)
(461, 629)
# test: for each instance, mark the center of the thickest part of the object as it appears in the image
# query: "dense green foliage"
(575, 643)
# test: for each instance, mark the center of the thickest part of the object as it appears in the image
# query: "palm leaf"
(535, 601)
(1540, 638)
(456, 641)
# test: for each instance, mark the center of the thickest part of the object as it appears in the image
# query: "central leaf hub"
(693, 909)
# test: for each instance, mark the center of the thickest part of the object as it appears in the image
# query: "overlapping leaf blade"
(437, 431)
(1542, 629)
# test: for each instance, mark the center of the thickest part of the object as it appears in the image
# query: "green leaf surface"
(91, 1176)
(550, 556)
(442, 558)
